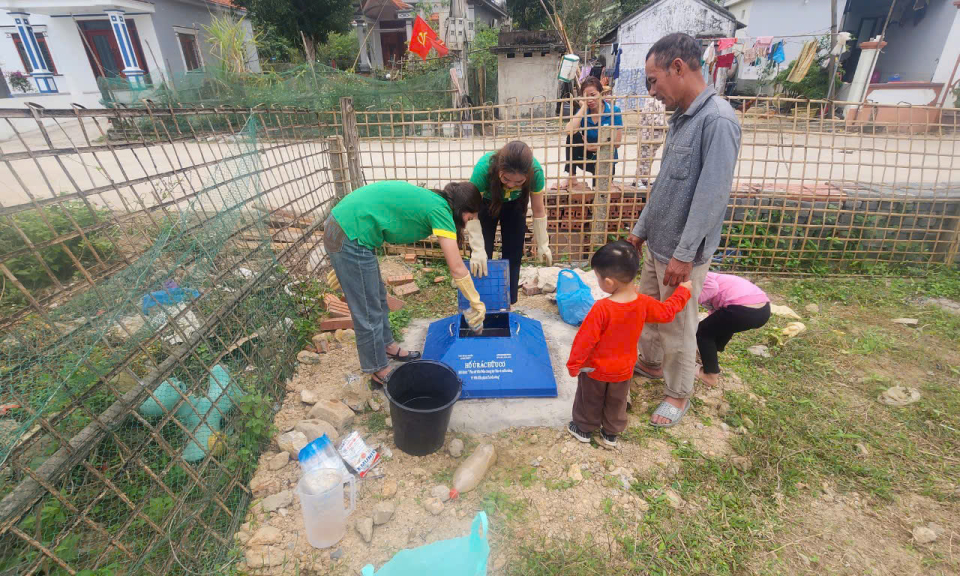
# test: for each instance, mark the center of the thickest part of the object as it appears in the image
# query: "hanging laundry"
(725, 60)
(584, 72)
(710, 54)
(841, 46)
(807, 55)
(726, 43)
(616, 66)
(763, 45)
(777, 54)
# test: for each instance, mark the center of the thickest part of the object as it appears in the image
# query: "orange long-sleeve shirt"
(607, 339)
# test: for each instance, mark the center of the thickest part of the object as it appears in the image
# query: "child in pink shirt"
(735, 305)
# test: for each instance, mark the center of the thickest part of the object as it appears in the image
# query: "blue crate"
(494, 288)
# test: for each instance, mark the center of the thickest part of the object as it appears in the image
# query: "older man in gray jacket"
(681, 222)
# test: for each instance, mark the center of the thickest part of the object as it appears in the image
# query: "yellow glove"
(540, 237)
(478, 310)
(332, 281)
(478, 252)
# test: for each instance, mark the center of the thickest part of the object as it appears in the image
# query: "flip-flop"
(411, 355)
(668, 410)
(638, 370)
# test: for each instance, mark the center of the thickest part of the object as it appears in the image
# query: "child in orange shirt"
(605, 348)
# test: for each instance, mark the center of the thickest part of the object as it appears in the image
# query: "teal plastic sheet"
(464, 556)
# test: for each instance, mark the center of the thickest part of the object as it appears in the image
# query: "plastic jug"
(321, 501)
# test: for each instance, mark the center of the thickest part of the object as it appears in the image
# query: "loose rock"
(265, 556)
(673, 499)
(433, 505)
(277, 501)
(812, 309)
(747, 422)
(418, 472)
(308, 357)
(314, 428)
(760, 350)
(292, 442)
(336, 554)
(924, 535)
(742, 463)
(334, 412)
(355, 402)
(265, 535)
(862, 449)
(899, 396)
(278, 461)
(456, 447)
(388, 422)
(575, 474)
(373, 404)
(906, 321)
(440, 492)
(309, 397)
(365, 528)
(383, 512)
(389, 488)
(264, 484)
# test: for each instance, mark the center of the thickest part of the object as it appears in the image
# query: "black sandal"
(376, 383)
(411, 355)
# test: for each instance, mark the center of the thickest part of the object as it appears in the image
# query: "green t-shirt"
(395, 212)
(481, 172)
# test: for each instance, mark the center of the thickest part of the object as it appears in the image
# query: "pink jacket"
(722, 290)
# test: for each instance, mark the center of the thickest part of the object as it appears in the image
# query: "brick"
(405, 289)
(439, 279)
(341, 310)
(529, 290)
(409, 258)
(394, 303)
(331, 299)
(336, 324)
(401, 279)
(426, 270)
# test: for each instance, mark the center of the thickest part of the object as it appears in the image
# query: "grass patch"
(376, 422)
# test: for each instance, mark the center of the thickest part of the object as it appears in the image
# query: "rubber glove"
(332, 281)
(478, 310)
(478, 252)
(540, 237)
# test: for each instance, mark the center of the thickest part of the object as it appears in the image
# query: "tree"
(339, 51)
(628, 7)
(528, 15)
(302, 21)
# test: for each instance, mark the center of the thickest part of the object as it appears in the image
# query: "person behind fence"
(605, 348)
(583, 131)
(680, 225)
(507, 179)
(736, 305)
(398, 213)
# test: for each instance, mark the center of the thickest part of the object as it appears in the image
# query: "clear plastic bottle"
(321, 454)
(469, 475)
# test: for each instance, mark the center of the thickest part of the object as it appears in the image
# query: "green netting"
(316, 88)
(199, 315)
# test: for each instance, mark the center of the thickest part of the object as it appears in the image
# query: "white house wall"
(948, 59)
(914, 52)
(522, 79)
(639, 33)
(780, 18)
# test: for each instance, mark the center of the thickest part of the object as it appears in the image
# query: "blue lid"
(494, 288)
(313, 449)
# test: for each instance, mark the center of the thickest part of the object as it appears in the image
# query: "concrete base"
(493, 415)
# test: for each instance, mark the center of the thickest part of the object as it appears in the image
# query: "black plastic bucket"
(422, 394)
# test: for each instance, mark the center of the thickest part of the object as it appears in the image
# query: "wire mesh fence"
(814, 191)
(154, 266)
(158, 276)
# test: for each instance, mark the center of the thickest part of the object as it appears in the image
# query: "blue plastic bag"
(573, 297)
(464, 556)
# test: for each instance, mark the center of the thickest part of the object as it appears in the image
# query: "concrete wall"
(521, 79)
(642, 30)
(171, 13)
(741, 9)
(948, 59)
(914, 51)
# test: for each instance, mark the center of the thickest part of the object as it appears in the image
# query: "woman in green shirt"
(507, 179)
(398, 213)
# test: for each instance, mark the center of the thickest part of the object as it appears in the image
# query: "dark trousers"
(513, 228)
(601, 404)
(576, 153)
(715, 331)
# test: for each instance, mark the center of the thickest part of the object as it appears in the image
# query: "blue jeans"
(358, 270)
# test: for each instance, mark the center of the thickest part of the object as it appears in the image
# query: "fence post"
(341, 177)
(352, 142)
(601, 197)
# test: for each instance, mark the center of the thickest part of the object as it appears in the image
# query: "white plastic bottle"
(469, 475)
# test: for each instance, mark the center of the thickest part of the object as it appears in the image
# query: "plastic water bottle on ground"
(469, 475)
(320, 454)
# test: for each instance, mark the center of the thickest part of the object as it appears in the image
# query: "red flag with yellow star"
(424, 38)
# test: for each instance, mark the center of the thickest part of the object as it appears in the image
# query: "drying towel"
(726, 43)
(777, 54)
(763, 44)
(725, 60)
(807, 54)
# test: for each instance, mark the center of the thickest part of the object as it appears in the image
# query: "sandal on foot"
(638, 370)
(376, 383)
(668, 410)
(411, 355)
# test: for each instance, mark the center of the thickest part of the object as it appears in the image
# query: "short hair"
(676, 45)
(591, 82)
(618, 260)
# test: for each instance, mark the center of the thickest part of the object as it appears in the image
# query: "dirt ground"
(546, 488)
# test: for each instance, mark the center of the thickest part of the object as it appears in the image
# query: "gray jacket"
(685, 209)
